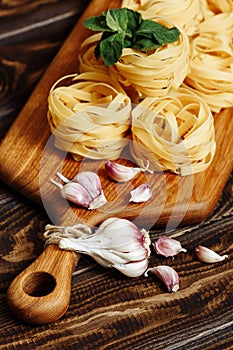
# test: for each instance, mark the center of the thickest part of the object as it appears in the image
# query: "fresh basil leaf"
(117, 19)
(111, 48)
(97, 23)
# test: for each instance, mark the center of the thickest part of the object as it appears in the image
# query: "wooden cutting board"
(28, 159)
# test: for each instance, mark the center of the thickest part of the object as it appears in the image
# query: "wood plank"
(26, 50)
(109, 311)
(123, 313)
(28, 160)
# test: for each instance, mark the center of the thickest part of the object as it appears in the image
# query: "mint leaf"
(97, 23)
(148, 26)
(127, 42)
(156, 32)
(134, 21)
(126, 28)
(117, 19)
(145, 45)
(110, 48)
(169, 35)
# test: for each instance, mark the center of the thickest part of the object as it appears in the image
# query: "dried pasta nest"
(222, 20)
(154, 73)
(175, 133)
(91, 117)
(188, 16)
(217, 6)
(87, 59)
(211, 69)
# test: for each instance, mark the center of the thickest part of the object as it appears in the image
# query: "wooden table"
(107, 309)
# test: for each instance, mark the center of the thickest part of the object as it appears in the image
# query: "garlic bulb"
(167, 246)
(207, 255)
(117, 243)
(141, 194)
(167, 275)
(84, 189)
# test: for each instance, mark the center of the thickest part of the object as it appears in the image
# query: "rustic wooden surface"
(107, 310)
(175, 199)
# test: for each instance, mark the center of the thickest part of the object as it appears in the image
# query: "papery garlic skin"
(167, 275)
(168, 246)
(207, 255)
(98, 201)
(117, 243)
(84, 189)
(121, 173)
(141, 194)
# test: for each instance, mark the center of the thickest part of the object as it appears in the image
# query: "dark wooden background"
(107, 310)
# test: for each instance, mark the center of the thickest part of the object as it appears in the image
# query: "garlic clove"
(121, 173)
(90, 181)
(167, 246)
(133, 269)
(84, 189)
(98, 201)
(141, 194)
(167, 275)
(76, 193)
(207, 255)
(117, 243)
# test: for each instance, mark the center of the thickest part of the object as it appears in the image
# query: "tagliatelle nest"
(87, 59)
(154, 73)
(220, 5)
(212, 23)
(90, 118)
(175, 133)
(211, 70)
(184, 13)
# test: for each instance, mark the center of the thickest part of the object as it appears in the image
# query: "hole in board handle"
(39, 284)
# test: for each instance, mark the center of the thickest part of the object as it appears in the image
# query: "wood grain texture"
(41, 293)
(108, 310)
(175, 199)
(23, 61)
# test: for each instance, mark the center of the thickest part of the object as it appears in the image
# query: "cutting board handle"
(41, 293)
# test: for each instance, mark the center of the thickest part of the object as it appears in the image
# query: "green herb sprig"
(124, 28)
